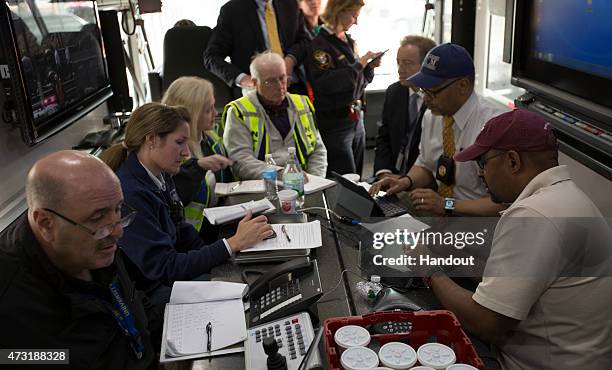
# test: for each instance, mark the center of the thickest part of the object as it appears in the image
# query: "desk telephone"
(285, 289)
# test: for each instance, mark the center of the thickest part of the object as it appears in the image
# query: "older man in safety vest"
(268, 121)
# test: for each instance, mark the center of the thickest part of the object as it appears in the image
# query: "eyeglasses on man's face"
(278, 81)
(482, 160)
(127, 216)
(432, 94)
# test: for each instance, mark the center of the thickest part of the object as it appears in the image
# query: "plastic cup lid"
(397, 355)
(352, 336)
(461, 367)
(436, 355)
(359, 358)
(422, 368)
(381, 368)
(288, 194)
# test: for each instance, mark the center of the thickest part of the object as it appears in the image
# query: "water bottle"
(293, 177)
(369, 289)
(269, 177)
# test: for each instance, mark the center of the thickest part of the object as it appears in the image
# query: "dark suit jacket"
(238, 35)
(395, 126)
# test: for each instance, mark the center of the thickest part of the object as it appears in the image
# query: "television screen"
(58, 56)
(566, 33)
(564, 47)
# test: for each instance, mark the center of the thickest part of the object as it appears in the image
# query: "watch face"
(449, 203)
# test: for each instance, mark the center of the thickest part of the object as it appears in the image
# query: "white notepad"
(314, 184)
(193, 304)
(221, 215)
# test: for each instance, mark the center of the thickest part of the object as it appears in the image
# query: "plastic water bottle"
(269, 177)
(293, 176)
(369, 289)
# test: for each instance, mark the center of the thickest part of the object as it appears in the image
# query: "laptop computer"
(358, 201)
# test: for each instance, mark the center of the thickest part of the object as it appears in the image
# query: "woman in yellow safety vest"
(208, 164)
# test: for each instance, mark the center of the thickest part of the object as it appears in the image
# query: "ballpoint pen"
(235, 186)
(284, 230)
(208, 337)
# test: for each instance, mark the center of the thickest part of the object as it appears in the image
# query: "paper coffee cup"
(287, 199)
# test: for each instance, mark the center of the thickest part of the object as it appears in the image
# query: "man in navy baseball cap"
(455, 117)
(442, 63)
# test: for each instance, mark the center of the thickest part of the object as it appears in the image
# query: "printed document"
(295, 236)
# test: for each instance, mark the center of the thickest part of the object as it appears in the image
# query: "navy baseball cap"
(442, 63)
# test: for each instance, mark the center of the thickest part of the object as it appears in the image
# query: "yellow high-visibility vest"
(304, 130)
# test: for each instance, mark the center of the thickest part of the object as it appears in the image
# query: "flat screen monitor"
(56, 61)
(564, 46)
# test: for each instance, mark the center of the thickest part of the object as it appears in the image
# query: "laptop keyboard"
(391, 205)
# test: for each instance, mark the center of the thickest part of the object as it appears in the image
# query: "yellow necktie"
(448, 143)
(273, 39)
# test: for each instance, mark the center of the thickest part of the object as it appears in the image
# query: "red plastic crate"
(425, 324)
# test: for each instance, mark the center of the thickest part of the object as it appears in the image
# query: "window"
(498, 72)
(382, 24)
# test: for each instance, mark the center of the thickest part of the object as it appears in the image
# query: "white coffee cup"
(287, 199)
(352, 177)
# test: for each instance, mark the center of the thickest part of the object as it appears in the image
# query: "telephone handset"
(285, 289)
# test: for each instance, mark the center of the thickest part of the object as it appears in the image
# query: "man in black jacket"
(397, 143)
(242, 31)
(62, 281)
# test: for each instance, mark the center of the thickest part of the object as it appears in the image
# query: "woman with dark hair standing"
(161, 245)
(339, 77)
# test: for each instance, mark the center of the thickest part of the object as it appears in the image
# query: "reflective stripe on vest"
(194, 211)
(304, 133)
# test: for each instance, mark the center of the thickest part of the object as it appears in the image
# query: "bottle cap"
(422, 368)
(436, 355)
(397, 355)
(375, 279)
(461, 367)
(352, 336)
(359, 358)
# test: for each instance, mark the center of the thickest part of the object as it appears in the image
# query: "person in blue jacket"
(161, 245)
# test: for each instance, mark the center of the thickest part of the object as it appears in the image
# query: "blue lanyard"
(125, 320)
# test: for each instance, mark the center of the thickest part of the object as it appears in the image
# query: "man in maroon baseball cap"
(514, 138)
(526, 303)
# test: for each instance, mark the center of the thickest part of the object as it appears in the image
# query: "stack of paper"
(194, 304)
(294, 236)
(314, 184)
(221, 215)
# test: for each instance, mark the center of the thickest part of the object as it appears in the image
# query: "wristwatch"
(449, 206)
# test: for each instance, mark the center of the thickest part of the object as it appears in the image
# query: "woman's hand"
(214, 162)
(364, 59)
(250, 232)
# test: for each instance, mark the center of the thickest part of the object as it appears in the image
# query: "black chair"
(184, 56)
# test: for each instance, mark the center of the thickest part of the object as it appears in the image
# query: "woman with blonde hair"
(339, 77)
(195, 183)
(163, 247)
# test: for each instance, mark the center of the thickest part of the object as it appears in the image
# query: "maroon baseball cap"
(518, 130)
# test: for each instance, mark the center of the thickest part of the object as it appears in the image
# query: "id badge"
(445, 170)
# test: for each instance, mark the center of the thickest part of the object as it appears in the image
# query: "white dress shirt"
(469, 120)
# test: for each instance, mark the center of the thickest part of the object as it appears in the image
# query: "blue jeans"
(345, 144)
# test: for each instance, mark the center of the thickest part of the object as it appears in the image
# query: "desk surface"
(340, 251)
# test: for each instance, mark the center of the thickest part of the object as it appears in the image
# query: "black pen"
(208, 336)
(284, 230)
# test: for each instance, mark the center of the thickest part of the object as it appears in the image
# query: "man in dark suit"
(397, 143)
(247, 27)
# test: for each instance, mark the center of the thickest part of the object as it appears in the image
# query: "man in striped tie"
(247, 27)
(455, 117)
